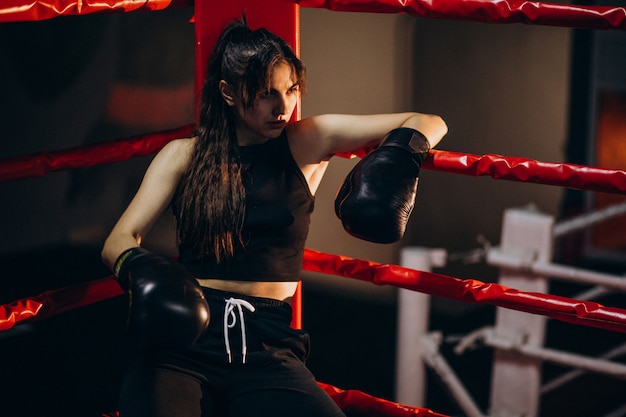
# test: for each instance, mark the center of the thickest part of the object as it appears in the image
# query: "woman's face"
(271, 110)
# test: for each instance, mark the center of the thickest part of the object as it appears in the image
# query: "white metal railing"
(524, 261)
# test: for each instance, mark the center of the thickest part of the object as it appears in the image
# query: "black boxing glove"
(167, 307)
(377, 197)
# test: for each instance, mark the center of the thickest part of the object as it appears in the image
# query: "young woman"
(242, 194)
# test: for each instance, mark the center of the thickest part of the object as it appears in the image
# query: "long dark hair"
(209, 204)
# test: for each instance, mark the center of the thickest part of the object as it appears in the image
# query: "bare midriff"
(277, 290)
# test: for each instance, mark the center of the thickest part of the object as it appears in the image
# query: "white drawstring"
(230, 320)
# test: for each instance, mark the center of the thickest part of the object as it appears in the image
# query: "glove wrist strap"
(410, 140)
(121, 264)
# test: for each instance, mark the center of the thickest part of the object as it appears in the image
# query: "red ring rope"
(23, 10)
(499, 167)
(586, 313)
(579, 177)
(469, 290)
(36, 165)
(497, 11)
(360, 403)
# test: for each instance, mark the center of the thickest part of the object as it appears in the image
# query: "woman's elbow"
(113, 246)
(434, 128)
(106, 254)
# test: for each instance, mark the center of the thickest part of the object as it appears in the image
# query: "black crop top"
(278, 212)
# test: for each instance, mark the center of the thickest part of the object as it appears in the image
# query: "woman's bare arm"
(152, 198)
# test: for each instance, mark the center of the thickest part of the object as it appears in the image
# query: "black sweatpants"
(264, 375)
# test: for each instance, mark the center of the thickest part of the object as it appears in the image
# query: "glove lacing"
(230, 320)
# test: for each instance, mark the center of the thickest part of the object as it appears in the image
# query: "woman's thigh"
(161, 392)
(285, 403)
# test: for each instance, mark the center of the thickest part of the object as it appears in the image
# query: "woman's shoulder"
(177, 153)
(306, 139)
(180, 145)
(181, 148)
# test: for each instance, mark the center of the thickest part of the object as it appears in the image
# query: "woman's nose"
(281, 105)
(285, 103)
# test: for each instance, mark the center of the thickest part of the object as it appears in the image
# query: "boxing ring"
(520, 259)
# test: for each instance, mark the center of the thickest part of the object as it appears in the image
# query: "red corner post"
(278, 16)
